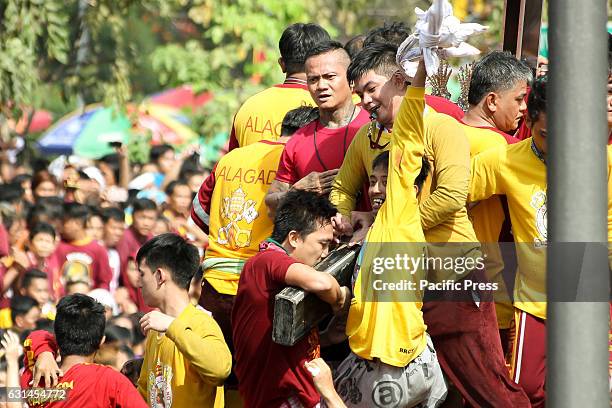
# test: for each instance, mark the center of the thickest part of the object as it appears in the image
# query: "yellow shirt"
(184, 367)
(517, 172)
(239, 218)
(393, 329)
(487, 218)
(260, 117)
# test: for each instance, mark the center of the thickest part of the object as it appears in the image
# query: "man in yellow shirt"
(455, 326)
(496, 106)
(385, 327)
(186, 358)
(230, 208)
(260, 116)
(519, 172)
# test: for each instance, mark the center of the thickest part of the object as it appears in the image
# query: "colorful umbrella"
(89, 132)
(41, 119)
(181, 97)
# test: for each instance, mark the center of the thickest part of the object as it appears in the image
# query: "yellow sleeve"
(485, 180)
(351, 176)
(201, 342)
(405, 160)
(610, 206)
(144, 371)
(451, 151)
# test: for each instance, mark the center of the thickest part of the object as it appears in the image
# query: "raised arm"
(451, 151)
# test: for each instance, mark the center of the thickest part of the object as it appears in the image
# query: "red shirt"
(268, 373)
(443, 105)
(85, 254)
(87, 385)
(129, 245)
(301, 157)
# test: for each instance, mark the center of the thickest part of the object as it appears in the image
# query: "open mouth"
(324, 97)
(374, 112)
(377, 202)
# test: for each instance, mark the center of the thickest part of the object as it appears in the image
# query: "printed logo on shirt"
(159, 386)
(261, 126)
(234, 209)
(538, 202)
(248, 176)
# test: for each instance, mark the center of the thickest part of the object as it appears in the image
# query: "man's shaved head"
(327, 47)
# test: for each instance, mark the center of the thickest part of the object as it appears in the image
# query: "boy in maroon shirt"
(79, 330)
(271, 375)
(79, 249)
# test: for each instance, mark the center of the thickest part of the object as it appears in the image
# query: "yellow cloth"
(6, 321)
(260, 116)
(516, 171)
(184, 367)
(487, 218)
(393, 331)
(239, 218)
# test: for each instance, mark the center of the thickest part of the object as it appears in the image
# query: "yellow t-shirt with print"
(518, 173)
(239, 218)
(260, 117)
(186, 366)
(371, 319)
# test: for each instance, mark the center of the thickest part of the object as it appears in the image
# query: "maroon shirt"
(127, 247)
(85, 254)
(268, 373)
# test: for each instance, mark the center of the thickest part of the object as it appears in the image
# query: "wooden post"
(521, 35)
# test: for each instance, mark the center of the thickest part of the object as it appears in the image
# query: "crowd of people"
(154, 285)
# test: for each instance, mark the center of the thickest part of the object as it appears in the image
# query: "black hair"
(32, 274)
(11, 192)
(296, 40)
(93, 212)
(390, 33)
(42, 228)
(76, 211)
(112, 213)
(137, 334)
(495, 72)
(536, 102)
(297, 118)
(143, 204)
(119, 334)
(172, 252)
(79, 325)
(46, 209)
(45, 324)
(131, 369)
(324, 47)
(379, 58)
(609, 54)
(113, 162)
(173, 185)
(191, 165)
(354, 45)
(420, 179)
(303, 212)
(382, 160)
(20, 178)
(157, 151)
(21, 305)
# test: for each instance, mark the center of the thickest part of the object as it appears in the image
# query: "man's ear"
(283, 67)
(491, 101)
(399, 80)
(18, 321)
(161, 276)
(293, 238)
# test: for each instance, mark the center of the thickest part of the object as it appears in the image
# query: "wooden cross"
(522, 21)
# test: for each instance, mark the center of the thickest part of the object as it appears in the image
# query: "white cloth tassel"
(436, 28)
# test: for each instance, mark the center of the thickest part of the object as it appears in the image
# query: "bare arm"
(321, 284)
(275, 194)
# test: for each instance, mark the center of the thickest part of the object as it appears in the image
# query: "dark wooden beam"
(521, 33)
